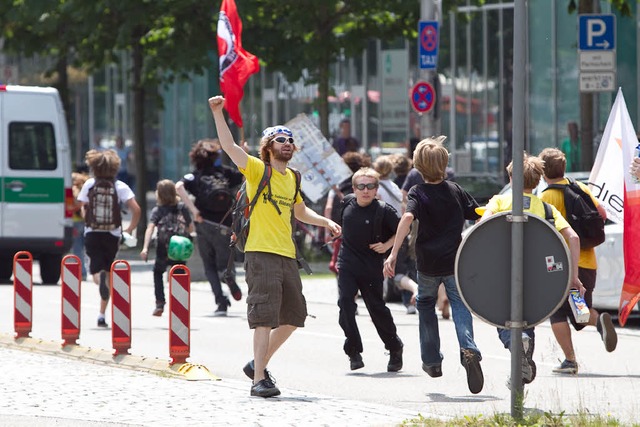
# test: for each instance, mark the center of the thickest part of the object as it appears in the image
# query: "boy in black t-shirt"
(167, 203)
(368, 227)
(441, 207)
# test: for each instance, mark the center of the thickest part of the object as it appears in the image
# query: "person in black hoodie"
(212, 186)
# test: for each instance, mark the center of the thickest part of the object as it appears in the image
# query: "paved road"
(311, 370)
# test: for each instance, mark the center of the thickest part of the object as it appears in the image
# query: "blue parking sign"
(428, 45)
(596, 32)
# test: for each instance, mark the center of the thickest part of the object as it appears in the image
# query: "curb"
(104, 357)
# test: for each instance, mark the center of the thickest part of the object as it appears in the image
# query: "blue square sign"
(428, 45)
(596, 32)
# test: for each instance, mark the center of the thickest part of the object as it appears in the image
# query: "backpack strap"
(389, 192)
(302, 263)
(377, 220)
(548, 213)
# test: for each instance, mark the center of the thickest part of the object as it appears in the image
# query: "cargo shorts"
(275, 291)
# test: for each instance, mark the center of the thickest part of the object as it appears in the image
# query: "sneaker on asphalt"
(264, 388)
(159, 308)
(471, 362)
(411, 309)
(434, 371)
(102, 323)
(356, 361)
(221, 311)
(528, 365)
(249, 370)
(395, 360)
(607, 331)
(567, 367)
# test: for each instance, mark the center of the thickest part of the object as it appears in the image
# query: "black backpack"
(345, 188)
(173, 223)
(102, 211)
(582, 214)
(214, 194)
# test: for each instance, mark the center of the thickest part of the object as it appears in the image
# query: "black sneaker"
(102, 323)
(221, 311)
(264, 388)
(434, 371)
(249, 370)
(356, 361)
(395, 360)
(471, 362)
(607, 331)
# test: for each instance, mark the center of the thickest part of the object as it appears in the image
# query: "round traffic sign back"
(423, 97)
(483, 270)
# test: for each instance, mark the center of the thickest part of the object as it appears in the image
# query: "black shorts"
(101, 248)
(588, 278)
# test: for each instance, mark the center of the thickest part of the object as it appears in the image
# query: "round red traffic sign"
(429, 38)
(423, 97)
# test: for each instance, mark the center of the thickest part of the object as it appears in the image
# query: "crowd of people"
(398, 218)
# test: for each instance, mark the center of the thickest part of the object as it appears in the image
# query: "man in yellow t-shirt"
(275, 304)
(533, 170)
(554, 169)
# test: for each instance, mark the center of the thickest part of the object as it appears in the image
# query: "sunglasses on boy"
(370, 186)
(283, 140)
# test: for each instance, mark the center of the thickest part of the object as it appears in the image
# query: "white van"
(35, 179)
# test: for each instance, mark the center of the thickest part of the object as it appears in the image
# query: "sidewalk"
(40, 390)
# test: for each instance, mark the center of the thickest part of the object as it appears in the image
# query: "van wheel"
(50, 269)
(6, 269)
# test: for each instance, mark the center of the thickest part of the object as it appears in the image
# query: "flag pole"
(241, 127)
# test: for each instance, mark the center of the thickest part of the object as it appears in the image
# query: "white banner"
(319, 164)
(611, 167)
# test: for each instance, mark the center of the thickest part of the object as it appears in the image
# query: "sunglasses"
(370, 186)
(283, 140)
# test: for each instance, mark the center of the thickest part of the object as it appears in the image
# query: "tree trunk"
(323, 98)
(586, 110)
(138, 138)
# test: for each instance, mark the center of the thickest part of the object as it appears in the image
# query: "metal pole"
(427, 122)
(517, 226)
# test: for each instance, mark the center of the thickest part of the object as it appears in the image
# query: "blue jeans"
(428, 321)
(213, 244)
(505, 336)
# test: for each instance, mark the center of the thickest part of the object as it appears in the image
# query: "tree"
(47, 28)
(166, 40)
(293, 35)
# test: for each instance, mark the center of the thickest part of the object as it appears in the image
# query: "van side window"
(32, 146)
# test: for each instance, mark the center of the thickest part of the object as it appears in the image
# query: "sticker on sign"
(597, 82)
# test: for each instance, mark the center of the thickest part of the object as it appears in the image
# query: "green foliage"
(535, 419)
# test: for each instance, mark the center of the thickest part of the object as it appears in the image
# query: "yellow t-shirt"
(531, 204)
(269, 231)
(555, 197)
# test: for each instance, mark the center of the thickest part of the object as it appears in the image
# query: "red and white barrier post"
(179, 313)
(120, 284)
(71, 276)
(22, 293)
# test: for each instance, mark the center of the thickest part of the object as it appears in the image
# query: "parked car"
(609, 256)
